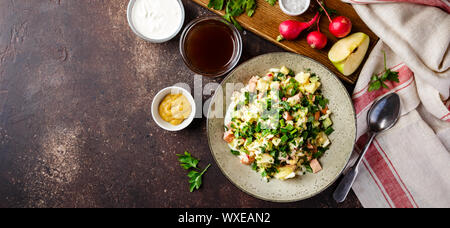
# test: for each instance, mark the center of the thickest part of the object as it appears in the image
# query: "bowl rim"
(306, 196)
(238, 45)
(157, 100)
(290, 13)
(140, 35)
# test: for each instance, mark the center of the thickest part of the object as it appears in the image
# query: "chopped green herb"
(377, 82)
(254, 166)
(329, 130)
(290, 127)
(234, 152)
(308, 168)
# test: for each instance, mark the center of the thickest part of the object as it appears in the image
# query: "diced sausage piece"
(287, 116)
(317, 116)
(315, 165)
(247, 160)
(252, 84)
(228, 136)
(310, 146)
(299, 96)
(296, 98)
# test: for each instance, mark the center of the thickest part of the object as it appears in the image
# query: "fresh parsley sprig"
(322, 11)
(188, 162)
(234, 8)
(196, 178)
(271, 2)
(377, 82)
(216, 4)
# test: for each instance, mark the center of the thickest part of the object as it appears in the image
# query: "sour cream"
(294, 7)
(157, 19)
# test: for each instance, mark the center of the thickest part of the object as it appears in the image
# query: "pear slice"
(348, 53)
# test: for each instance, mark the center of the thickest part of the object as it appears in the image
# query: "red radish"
(340, 26)
(291, 29)
(317, 39)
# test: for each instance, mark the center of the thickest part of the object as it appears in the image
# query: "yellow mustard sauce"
(175, 108)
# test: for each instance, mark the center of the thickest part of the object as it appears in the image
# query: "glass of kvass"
(211, 46)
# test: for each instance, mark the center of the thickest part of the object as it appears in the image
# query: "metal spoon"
(382, 116)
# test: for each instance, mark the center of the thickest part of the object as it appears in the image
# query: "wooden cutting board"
(267, 18)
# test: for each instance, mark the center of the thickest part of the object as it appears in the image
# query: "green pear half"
(348, 53)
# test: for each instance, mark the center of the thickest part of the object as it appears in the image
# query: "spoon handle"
(346, 183)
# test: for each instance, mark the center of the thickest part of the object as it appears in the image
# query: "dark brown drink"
(210, 47)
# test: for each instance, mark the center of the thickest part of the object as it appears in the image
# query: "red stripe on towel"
(387, 179)
(448, 114)
(395, 170)
(376, 182)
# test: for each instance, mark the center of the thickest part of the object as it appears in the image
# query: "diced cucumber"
(314, 79)
(327, 123)
(316, 123)
(284, 70)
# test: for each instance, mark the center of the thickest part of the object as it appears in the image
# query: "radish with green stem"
(291, 29)
(316, 39)
(340, 26)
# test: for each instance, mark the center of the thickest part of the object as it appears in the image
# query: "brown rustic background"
(75, 126)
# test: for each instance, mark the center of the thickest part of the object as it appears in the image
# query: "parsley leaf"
(234, 8)
(196, 179)
(330, 11)
(187, 161)
(392, 76)
(250, 7)
(216, 4)
(377, 82)
(271, 2)
(375, 85)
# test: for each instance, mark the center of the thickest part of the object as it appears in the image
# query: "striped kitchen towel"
(443, 4)
(409, 165)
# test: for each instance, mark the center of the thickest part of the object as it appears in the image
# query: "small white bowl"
(155, 108)
(133, 28)
(296, 13)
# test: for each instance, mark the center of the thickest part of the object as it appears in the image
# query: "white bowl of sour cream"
(156, 21)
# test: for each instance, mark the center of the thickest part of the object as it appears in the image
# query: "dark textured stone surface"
(75, 126)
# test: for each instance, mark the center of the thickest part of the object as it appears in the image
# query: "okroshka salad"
(279, 124)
